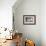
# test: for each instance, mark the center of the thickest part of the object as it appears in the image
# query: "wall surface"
(6, 13)
(43, 22)
(28, 7)
(36, 32)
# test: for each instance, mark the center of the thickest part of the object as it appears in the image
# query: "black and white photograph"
(22, 22)
(29, 19)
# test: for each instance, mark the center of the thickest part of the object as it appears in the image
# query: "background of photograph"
(6, 17)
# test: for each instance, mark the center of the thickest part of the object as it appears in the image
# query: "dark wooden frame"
(29, 16)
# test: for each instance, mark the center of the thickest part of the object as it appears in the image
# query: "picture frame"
(29, 19)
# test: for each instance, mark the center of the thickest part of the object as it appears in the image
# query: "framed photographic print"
(29, 19)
